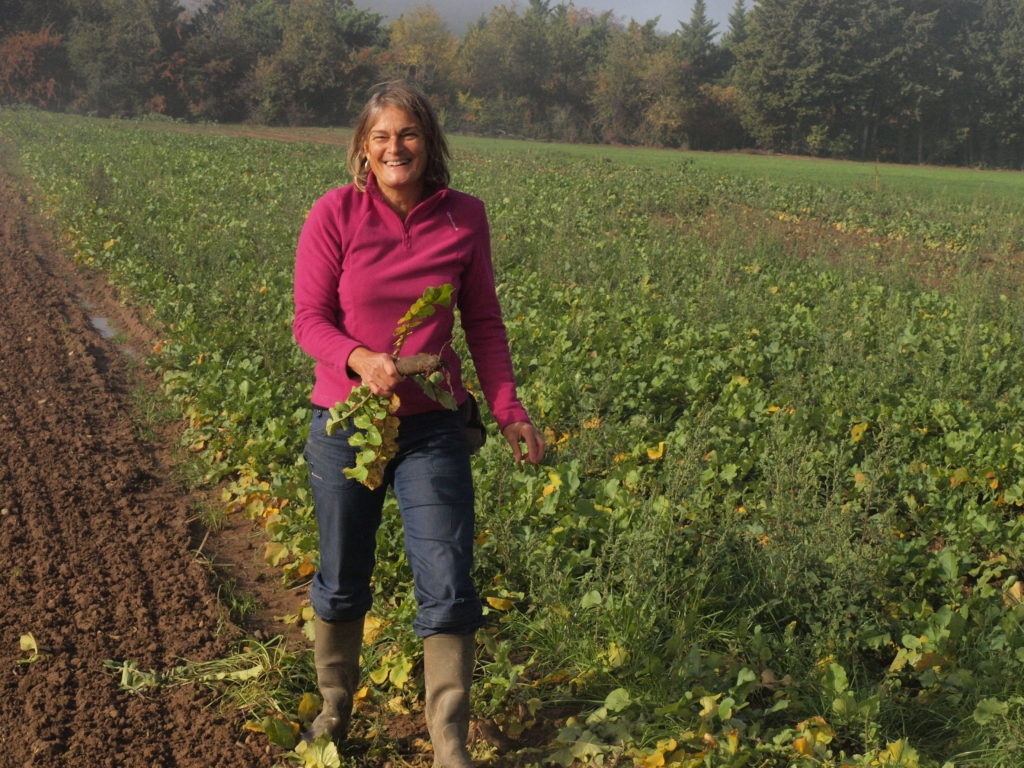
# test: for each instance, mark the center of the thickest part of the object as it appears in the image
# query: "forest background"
(925, 81)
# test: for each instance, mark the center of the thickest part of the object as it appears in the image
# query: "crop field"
(780, 521)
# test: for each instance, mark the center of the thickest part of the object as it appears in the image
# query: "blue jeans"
(431, 479)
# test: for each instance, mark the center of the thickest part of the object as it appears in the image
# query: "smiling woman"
(367, 252)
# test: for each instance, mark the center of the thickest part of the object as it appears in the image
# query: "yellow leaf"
(899, 753)
(959, 477)
(617, 655)
(555, 483)
(857, 431)
(733, 739)
(656, 453)
(500, 603)
(803, 746)
(309, 707)
(1015, 594)
(274, 553)
(397, 705)
(654, 760)
(371, 628)
(361, 694)
(592, 423)
(740, 381)
(709, 704)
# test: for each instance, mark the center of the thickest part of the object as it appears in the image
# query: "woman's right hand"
(376, 369)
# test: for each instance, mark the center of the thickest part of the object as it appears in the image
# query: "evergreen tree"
(737, 31)
(697, 46)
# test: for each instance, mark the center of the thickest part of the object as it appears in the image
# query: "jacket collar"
(423, 206)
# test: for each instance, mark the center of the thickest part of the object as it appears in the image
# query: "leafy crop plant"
(375, 416)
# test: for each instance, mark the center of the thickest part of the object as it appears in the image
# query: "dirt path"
(99, 559)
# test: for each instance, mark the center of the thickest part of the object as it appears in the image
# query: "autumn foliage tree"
(33, 69)
(422, 49)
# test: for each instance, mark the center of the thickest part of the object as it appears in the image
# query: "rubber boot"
(336, 655)
(448, 674)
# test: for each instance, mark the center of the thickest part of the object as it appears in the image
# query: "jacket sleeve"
(480, 315)
(317, 325)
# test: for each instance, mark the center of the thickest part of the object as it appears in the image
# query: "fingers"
(376, 370)
(523, 432)
(534, 446)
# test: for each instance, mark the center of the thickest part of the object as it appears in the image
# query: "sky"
(460, 13)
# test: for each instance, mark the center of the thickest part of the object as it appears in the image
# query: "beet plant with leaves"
(374, 416)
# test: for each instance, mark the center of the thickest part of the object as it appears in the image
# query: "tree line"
(926, 81)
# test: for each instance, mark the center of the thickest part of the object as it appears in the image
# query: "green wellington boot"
(448, 674)
(336, 655)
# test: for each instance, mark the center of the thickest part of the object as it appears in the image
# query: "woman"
(365, 255)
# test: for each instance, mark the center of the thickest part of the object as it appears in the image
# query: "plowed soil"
(98, 556)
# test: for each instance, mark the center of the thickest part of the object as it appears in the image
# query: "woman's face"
(396, 151)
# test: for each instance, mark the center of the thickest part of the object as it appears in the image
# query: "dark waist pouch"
(473, 423)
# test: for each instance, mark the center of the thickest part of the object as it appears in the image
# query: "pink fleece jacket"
(359, 267)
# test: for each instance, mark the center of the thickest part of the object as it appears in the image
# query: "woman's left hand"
(519, 432)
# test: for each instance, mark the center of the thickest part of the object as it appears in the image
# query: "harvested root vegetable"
(423, 364)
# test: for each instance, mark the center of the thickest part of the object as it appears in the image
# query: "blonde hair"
(409, 99)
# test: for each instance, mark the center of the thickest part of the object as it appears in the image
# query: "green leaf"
(617, 700)
(280, 732)
(321, 753)
(948, 564)
(591, 599)
(835, 679)
(445, 398)
(400, 671)
(358, 473)
(989, 709)
(911, 641)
